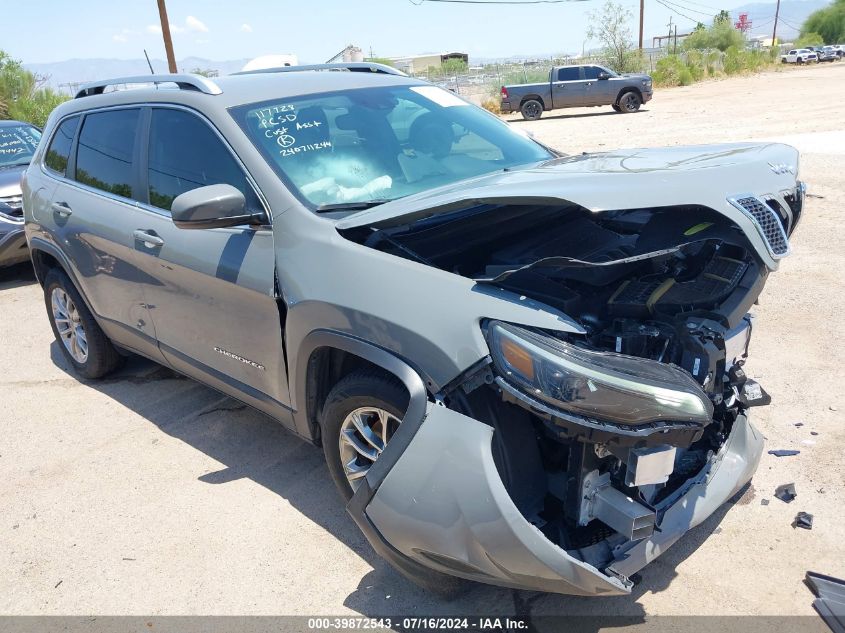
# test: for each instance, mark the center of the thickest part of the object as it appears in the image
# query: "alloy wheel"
(69, 325)
(363, 435)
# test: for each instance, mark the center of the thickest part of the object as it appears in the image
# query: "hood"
(10, 180)
(703, 175)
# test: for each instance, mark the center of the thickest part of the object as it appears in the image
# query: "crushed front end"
(566, 461)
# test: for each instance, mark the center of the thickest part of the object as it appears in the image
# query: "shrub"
(492, 104)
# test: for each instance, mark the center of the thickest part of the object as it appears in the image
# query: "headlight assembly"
(603, 385)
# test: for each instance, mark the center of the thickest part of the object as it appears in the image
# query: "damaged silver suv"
(524, 368)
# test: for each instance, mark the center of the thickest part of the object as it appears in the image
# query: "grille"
(11, 207)
(768, 223)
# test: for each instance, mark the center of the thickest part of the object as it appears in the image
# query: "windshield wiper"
(20, 164)
(351, 206)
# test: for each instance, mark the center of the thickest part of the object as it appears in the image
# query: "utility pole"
(642, 7)
(675, 51)
(669, 39)
(165, 31)
(775, 29)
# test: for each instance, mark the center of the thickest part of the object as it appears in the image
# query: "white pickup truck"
(799, 56)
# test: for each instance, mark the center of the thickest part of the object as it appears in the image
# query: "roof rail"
(371, 67)
(184, 81)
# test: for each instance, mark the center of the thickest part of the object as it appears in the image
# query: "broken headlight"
(604, 385)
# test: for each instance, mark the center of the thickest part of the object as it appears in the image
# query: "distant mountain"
(68, 74)
(790, 18)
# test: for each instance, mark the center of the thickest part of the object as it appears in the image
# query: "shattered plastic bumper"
(443, 506)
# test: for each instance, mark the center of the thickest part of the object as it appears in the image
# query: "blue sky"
(316, 29)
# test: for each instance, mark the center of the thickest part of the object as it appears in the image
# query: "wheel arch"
(325, 356)
(533, 97)
(626, 90)
(47, 256)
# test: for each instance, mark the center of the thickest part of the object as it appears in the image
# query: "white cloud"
(120, 37)
(246, 28)
(155, 29)
(194, 24)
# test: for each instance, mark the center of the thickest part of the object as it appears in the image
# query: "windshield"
(17, 144)
(371, 145)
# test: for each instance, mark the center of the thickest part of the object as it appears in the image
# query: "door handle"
(149, 239)
(62, 209)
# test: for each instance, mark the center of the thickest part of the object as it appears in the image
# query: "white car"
(799, 56)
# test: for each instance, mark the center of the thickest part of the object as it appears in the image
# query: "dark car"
(18, 141)
(825, 53)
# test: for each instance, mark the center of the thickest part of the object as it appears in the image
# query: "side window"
(591, 72)
(568, 74)
(186, 154)
(106, 148)
(59, 150)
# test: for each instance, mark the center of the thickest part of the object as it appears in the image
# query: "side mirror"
(604, 75)
(211, 207)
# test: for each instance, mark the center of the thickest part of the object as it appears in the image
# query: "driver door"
(210, 292)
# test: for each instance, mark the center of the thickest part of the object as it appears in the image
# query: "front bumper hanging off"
(438, 502)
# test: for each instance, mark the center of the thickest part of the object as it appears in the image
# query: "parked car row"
(813, 54)
(18, 141)
(524, 368)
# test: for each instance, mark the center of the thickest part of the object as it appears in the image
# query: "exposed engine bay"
(662, 297)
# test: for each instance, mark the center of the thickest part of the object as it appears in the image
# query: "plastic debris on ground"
(786, 492)
(830, 599)
(803, 520)
(764, 502)
(784, 452)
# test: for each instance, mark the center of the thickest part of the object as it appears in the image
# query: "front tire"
(531, 110)
(629, 102)
(82, 342)
(616, 107)
(361, 414)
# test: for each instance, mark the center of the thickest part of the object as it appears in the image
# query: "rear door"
(211, 292)
(568, 88)
(94, 157)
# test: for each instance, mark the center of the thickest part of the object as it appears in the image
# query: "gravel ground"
(150, 494)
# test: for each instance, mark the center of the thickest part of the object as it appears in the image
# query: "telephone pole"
(165, 31)
(775, 29)
(642, 7)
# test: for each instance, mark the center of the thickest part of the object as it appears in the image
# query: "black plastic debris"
(814, 432)
(803, 520)
(798, 424)
(830, 599)
(784, 452)
(786, 493)
(764, 502)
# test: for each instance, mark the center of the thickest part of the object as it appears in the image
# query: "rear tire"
(531, 110)
(82, 342)
(629, 102)
(616, 107)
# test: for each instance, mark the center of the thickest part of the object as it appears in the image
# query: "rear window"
(106, 149)
(568, 74)
(59, 150)
(17, 144)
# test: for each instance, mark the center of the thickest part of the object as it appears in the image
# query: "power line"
(683, 15)
(685, 8)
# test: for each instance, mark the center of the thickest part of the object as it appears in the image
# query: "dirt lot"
(151, 494)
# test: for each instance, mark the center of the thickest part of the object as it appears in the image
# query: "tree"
(721, 35)
(722, 17)
(206, 72)
(809, 39)
(829, 23)
(454, 66)
(23, 95)
(382, 60)
(610, 27)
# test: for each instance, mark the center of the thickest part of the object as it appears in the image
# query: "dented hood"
(637, 178)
